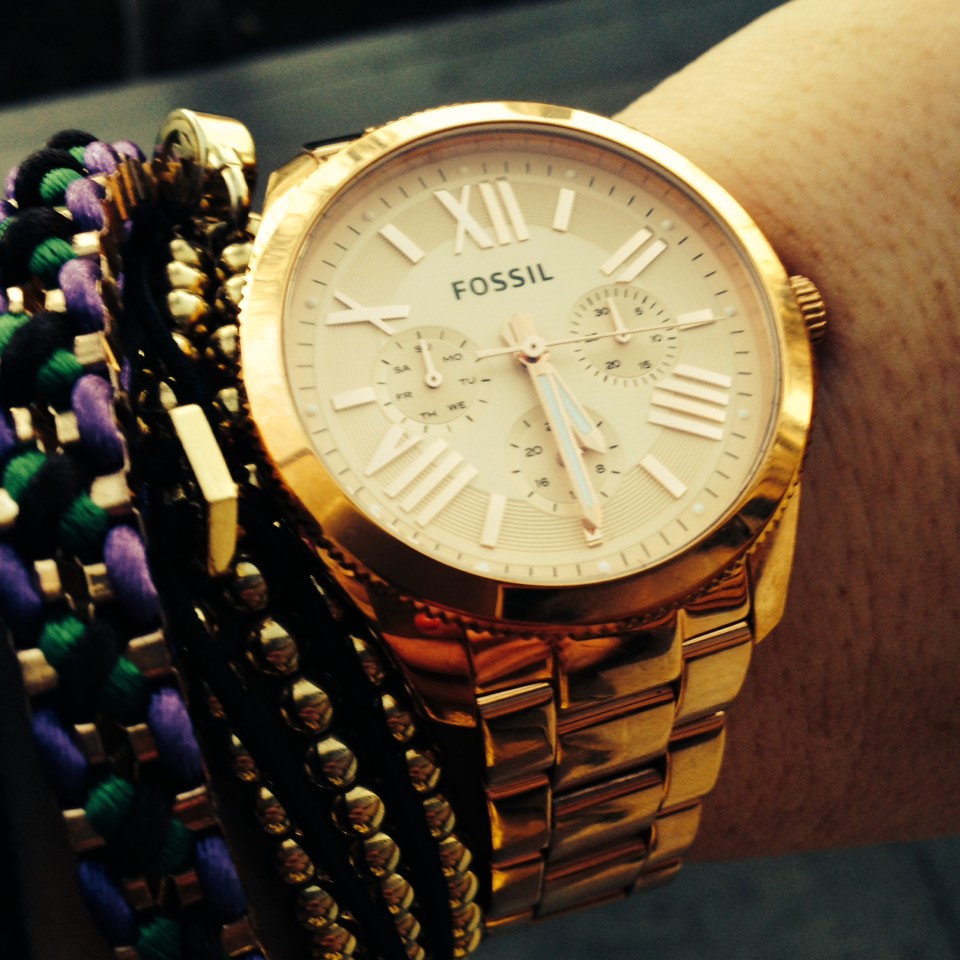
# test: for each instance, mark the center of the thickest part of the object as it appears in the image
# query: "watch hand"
(432, 377)
(621, 334)
(539, 345)
(557, 404)
(522, 332)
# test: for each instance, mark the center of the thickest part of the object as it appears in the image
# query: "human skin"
(837, 126)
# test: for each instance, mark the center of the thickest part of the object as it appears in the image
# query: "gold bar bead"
(150, 655)
(238, 938)
(38, 675)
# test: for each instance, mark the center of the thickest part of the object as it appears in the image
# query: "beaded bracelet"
(138, 231)
(203, 313)
(76, 592)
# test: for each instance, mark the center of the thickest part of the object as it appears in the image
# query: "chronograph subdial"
(631, 356)
(430, 375)
(540, 474)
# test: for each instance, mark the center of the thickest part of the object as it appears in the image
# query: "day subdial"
(541, 476)
(637, 335)
(430, 374)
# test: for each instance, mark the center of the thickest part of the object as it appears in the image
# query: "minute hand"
(554, 401)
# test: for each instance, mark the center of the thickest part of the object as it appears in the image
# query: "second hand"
(515, 348)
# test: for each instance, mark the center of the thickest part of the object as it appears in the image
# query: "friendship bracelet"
(77, 594)
(79, 599)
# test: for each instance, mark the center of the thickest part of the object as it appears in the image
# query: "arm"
(837, 125)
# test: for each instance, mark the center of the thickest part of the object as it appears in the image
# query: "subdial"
(615, 312)
(430, 374)
(540, 474)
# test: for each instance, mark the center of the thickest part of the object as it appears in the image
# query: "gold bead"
(306, 707)
(332, 942)
(369, 660)
(241, 762)
(272, 650)
(316, 908)
(223, 347)
(270, 814)
(399, 719)
(455, 858)
(466, 919)
(462, 888)
(359, 811)
(248, 588)
(423, 769)
(332, 764)
(440, 816)
(408, 926)
(235, 258)
(396, 891)
(293, 864)
(378, 855)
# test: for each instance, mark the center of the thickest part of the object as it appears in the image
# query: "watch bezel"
(364, 548)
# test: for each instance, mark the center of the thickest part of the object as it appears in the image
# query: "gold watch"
(538, 391)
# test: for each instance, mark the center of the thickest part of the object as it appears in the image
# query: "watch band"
(594, 753)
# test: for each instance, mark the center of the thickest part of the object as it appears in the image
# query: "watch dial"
(530, 355)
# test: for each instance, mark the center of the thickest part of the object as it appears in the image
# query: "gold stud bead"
(396, 891)
(316, 908)
(331, 763)
(333, 942)
(369, 660)
(377, 856)
(462, 888)
(399, 719)
(293, 863)
(359, 811)
(272, 650)
(270, 814)
(423, 769)
(812, 308)
(306, 707)
(248, 586)
(242, 764)
(455, 858)
(440, 816)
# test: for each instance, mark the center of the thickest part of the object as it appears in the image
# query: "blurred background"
(297, 71)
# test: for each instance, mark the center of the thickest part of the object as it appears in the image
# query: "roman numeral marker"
(394, 444)
(693, 401)
(645, 255)
(501, 206)
(355, 313)
(400, 241)
(437, 470)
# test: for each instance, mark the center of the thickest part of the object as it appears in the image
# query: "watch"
(537, 392)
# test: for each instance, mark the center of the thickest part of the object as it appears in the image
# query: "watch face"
(508, 345)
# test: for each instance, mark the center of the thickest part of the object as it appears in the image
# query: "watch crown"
(812, 308)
